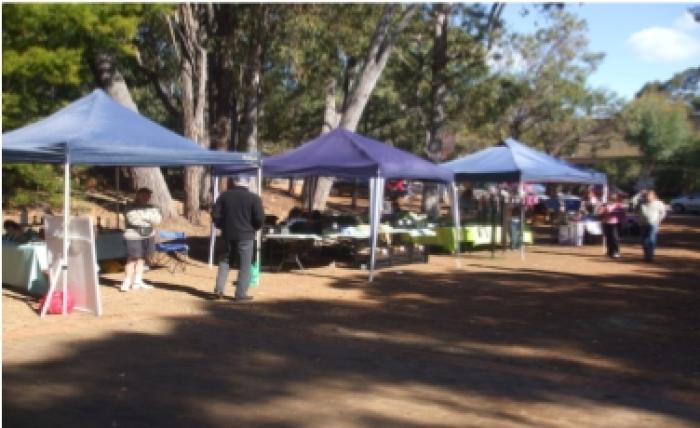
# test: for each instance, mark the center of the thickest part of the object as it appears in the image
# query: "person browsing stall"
(141, 219)
(238, 212)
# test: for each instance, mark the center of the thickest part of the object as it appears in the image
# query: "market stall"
(342, 153)
(514, 162)
(96, 130)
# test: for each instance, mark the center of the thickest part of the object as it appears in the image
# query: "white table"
(573, 233)
(364, 233)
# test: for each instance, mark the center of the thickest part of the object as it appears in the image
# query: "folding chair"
(173, 246)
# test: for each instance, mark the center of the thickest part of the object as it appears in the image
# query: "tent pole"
(258, 235)
(457, 226)
(605, 201)
(62, 265)
(374, 226)
(116, 181)
(66, 221)
(212, 233)
(521, 195)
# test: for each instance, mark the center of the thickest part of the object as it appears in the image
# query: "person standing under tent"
(515, 224)
(612, 215)
(506, 206)
(652, 212)
(590, 203)
(238, 212)
(141, 218)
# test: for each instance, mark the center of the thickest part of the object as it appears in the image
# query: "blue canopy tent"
(513, 161)
(96, 130)
(342, 153)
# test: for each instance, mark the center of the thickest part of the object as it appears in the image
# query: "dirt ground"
(564, 338)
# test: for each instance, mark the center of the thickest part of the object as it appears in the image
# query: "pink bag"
(56, 304)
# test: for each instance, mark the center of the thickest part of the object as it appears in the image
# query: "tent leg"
(212, 233)
(457, 226)
(521, 193)
(116, 181)
(374, 224)
(258, 235)
(66, 222)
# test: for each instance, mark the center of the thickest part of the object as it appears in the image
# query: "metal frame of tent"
(90, 124)
(532, 159)
(376, 187)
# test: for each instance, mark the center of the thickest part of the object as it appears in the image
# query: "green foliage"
(624, 173)
(683, 86)
(46, 48)
(542, 95)
(552, 106)
(658, 125)
(31, 185)
(46, 64)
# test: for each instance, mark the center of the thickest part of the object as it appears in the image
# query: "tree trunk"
(330, 122)
(193, 74)
(438, 90)
(250, 111)
(111, 80)
(383, 41)
(252, 78)
(222, 98)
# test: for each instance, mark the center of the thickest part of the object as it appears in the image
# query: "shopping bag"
(255, 274)
(56, 303)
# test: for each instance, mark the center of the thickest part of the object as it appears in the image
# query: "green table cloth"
(23, 267)
(473, 235)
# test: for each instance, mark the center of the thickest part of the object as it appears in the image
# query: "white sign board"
(82, 282)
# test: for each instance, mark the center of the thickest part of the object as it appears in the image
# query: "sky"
(642, 42)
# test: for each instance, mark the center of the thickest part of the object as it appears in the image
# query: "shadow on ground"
(521, 335)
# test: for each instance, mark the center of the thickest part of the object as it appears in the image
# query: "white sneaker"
(142, 285)
(125, 287)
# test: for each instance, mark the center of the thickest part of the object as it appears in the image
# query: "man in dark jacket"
(239, 214)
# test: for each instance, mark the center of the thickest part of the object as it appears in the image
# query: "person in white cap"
(238, 212)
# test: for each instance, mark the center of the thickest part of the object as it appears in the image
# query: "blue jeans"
(241, 252)
(515, 234)
(649, 232)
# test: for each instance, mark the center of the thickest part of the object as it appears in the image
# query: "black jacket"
(238, 213)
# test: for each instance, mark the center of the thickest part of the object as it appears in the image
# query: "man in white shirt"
(653, 211)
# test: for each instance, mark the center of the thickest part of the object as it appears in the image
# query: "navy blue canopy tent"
(96, 130)
(342, 153)
(513, 161)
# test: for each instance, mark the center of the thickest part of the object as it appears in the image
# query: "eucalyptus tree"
(555, 107)
(360, 84)
(54, 53)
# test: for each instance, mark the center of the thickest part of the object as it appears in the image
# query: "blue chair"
(173, 244)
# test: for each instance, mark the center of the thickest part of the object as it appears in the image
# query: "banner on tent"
(82, 284)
